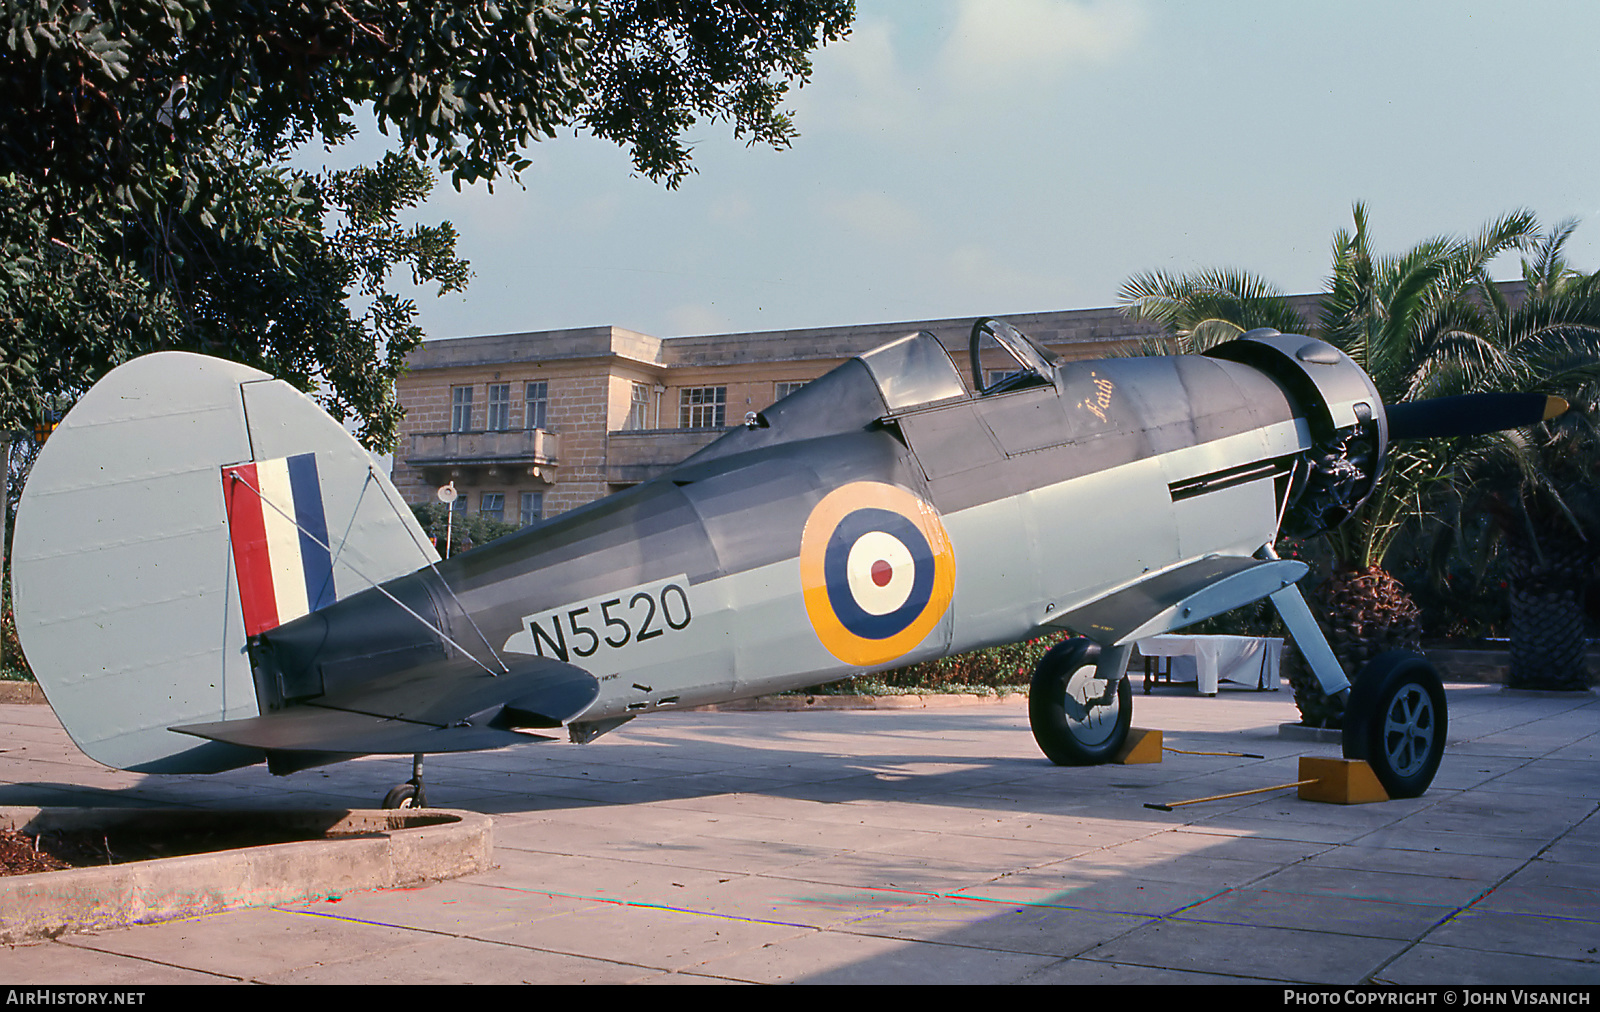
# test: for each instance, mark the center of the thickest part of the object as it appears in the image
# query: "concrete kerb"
(20, 692)
(393, 849)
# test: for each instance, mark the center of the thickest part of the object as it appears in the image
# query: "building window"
(994, 376)
(639, 407)
(532, 507)
(538, 405)
(460, 409)
(499, 406)
(493, 505)
(782, 390)
(702, 407)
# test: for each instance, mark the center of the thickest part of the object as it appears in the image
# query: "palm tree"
(1208, 307)
(1541, 487)
(1411, 322)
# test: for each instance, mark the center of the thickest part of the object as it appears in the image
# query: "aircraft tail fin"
(183, 505)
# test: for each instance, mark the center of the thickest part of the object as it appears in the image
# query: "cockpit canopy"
(906, 373)
(912, 371)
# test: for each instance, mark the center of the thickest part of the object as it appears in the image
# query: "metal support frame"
(1308, 637)
(1113, 665)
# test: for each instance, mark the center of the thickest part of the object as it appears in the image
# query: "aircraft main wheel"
(405, 796)
(1077, 719)
(1396, 721)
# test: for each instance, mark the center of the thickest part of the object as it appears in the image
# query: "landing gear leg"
(410, 794)
(1394, 716)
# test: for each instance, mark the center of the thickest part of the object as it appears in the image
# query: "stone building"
(530, 425)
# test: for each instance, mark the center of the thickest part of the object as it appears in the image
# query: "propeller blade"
(1470, 414)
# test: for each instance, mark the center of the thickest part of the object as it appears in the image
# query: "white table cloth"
(1247, 660)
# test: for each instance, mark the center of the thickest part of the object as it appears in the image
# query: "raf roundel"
(877, 570)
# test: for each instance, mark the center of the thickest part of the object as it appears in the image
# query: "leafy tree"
(468, 530)
(1424, 323)
(146, 202)
(142, 171)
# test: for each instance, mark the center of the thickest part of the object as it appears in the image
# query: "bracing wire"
(370, 581)
(433, 565)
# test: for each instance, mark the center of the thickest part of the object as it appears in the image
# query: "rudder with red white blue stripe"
(279, 530)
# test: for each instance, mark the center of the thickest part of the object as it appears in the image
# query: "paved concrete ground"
(911, 846)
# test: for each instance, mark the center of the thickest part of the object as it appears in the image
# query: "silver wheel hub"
(1408, 730)
(1091, 706)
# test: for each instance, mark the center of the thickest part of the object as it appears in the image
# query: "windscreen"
(914, 370)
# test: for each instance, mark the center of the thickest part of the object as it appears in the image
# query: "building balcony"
(474, 456)
(641, 454)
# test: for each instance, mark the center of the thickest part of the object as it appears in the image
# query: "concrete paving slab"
(1553, 901)
(1256, 953)
(795, 902)
(1304, 880)
(887, 870)
(1548, 872)
(1072, 972)
(1569, 938)
(453, 908)
(1446, 842)
(1429, 963)
(247, 944)
(598, 880)
(1484, 870)
(912, 846)
(1046, 931)
(1114, 894)
(1262, 907)
(657, 938)
(62, 963)
(449, 960)
(843, 958)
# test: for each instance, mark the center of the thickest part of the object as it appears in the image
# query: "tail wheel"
(1396, 721)
(407, 795)
(1077, 718)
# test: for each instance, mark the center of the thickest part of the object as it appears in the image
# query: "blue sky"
(975, 157)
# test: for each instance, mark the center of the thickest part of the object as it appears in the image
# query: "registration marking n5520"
(606, 622)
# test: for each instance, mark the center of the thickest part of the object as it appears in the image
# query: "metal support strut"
(1296, 615)
(410, 794)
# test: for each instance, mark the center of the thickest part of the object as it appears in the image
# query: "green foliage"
(659, 65)
(1427, 322)
(145, 203)
(992, 668)
(13, 665)
(1207, 307)
(468, 85)
(468, 530)
(252, 277)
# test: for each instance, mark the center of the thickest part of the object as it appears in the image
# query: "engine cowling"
(1346, 416)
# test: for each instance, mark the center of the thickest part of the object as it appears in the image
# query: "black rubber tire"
(1396, 721)
(405, 796)
(1060, 727)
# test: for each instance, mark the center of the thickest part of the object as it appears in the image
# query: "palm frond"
(1207, 307)
(1493, 300)
(1516, 230)
(1549, 269)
